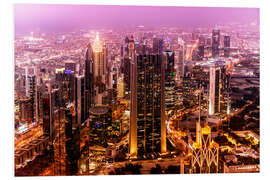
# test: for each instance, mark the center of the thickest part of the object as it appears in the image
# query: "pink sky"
(29, 17)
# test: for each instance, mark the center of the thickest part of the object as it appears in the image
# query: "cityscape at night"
(125, 90)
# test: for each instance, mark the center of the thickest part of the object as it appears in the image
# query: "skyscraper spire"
(97, 46)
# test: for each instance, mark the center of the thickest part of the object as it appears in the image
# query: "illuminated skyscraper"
(31, 92)
(26, 110)
(126, 71)
(181, 64)
(130, 56)
(99, 70)
(168, 58)
(202, 40)
(214, 90)
(226, 46)
(72, 143)
(215, 42)
(201, 52)
(131, 48)
(51, 103)
(157, 45)
(147, 124)
(89, 81)
(70, 65)
(126, 51)
(80, 107)
(65, 80)
(122, 51)
(100, 125)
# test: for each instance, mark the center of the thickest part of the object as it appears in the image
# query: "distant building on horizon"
(215, 42)
(157, 45)
(201, 52)
(226, 46)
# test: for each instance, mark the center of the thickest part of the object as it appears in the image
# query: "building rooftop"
(98, 110)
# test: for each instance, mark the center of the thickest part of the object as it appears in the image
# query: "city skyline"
(145, 90)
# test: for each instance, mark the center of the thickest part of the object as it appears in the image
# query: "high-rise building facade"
(226, 46)
(70, 65)
(168, 58)
(72, 143)
(89, 80)
(99, 54)
(80, 102)
(126, 71)
(214, 90)
(201, 52)
(100, 125)
(147, 124)
(31, 92)
(51, 103)
(181, 64)
(215, 43)
(157, 45)
(130, 55)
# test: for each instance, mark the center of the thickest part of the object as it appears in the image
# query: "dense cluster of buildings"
(147, 74)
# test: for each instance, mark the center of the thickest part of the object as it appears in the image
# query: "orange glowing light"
(206, 130)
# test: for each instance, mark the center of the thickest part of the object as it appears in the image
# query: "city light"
(143, 95)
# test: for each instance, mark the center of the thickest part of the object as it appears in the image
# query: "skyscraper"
(157, 45)
(168, 58)
(181, 64)
(100, 125)
(80, 99)
(99, 70)
(147, 124)
(65, 80)
(51, 103)
(89, 84)
(126, 71)
(215, 42)
(127, 63)
(201, 40)
(214, 90)
(31, 93)
(201, 52)
(131, 48)
(126, 52)
(226, 46)
(72, 143)
(70, 65)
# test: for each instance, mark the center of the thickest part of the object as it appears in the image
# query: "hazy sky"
(50, 18)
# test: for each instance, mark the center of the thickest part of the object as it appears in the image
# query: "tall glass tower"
(147, 124)
(215, 42)
(226, 46)
(214, 90)
(168, 57)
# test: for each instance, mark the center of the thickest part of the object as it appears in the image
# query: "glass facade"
(100, 125)
(168, 58)
(149, 102)
(215, 43)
